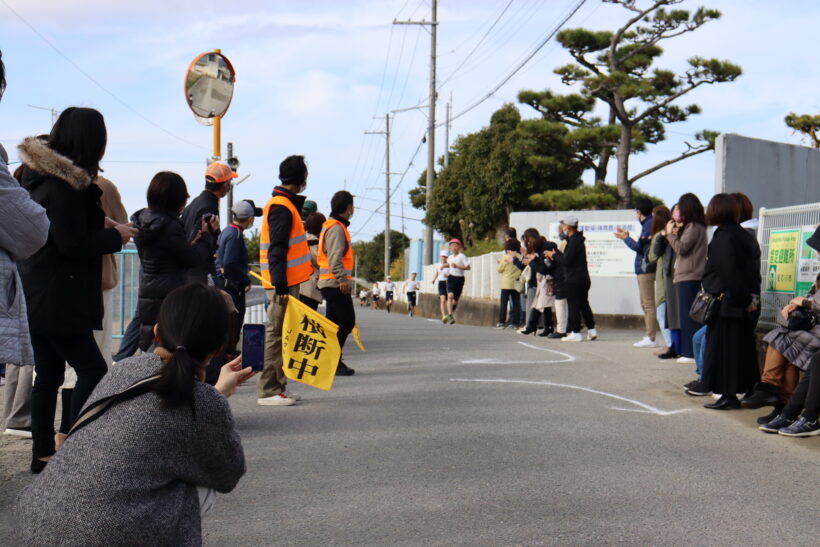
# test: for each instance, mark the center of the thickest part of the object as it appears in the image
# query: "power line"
(95, 82)
(475, 48)
(521, 65)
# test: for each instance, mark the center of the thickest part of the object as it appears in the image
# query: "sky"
(312, 77)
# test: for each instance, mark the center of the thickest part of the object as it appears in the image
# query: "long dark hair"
(167, 193)
(661, 215)
(80, 135)
(192, 325)
(691, 210)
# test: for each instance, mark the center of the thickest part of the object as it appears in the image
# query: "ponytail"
(192, 325)
(175, 385)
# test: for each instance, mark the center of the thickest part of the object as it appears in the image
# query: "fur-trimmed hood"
(38, 156)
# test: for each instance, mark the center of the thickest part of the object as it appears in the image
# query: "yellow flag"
(260, 278)
(358, 337)
(310, 348)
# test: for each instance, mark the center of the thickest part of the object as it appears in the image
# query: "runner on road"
(363, 297)
(459, 263)
(440, 280)
(375, 293)
(389, 290)
(412, 287)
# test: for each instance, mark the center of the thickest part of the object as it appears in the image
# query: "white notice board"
(607, 256)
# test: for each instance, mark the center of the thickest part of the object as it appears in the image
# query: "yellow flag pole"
(265, 284)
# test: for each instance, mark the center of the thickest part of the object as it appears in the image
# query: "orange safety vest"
(347, 259)
(299, 268)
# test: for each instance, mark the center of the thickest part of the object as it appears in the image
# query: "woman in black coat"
(63, 280)
(163, 247)
(730, 364)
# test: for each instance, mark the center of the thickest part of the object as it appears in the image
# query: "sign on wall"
(808, 265)
(783, 249)
(607, 256)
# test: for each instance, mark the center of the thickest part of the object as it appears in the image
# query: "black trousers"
(50, 356)
(578, 307)
(509, 295)
(340, 310)
(130, 339)
(309, 302)
(807, 395)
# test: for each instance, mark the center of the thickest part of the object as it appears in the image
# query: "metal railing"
(125, 294)
(782, 218)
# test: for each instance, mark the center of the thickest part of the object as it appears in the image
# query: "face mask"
(562, 235)
(676, 216)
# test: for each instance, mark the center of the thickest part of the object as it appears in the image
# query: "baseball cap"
(454, 240)
(309, 207)
(218, 173)
(246, 209)
(570, 220)
(444, 252)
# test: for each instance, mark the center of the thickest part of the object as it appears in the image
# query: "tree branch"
(616, 38)
(655, 108)
(693, 151)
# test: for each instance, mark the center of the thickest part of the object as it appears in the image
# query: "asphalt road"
(455, 435)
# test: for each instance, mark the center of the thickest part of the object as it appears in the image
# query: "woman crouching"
(161, 440)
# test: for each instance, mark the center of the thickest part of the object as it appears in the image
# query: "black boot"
(778, 408)
(764, 395)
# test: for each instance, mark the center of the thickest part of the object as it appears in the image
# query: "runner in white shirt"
(389, 289)
(412, 287)
(458, 263)
(374, 292)
(363, 297)
(440, 280)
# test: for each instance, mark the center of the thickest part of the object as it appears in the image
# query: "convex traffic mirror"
(209, 85)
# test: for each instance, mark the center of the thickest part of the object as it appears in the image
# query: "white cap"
(570, 220)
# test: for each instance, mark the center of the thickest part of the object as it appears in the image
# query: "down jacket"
(63, 280)
(23, 231)
(166, 257)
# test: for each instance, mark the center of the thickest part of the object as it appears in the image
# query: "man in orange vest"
(336, 270)
(284, 259)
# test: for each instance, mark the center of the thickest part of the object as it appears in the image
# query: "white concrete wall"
(772, 174)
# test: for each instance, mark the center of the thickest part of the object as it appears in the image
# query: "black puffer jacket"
(166, 256)
(733, 269)
(63, 280)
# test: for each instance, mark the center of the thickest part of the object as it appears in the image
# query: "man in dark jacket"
(283, 217)
(577, 283)
(218, 178)
(232, 255)
(644, 270)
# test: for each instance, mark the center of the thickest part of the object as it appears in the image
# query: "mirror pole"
(217, 137)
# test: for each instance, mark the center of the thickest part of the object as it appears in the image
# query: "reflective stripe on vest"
(324, 262)
(298, 266)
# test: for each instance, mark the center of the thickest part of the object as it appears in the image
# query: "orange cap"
(219, 172)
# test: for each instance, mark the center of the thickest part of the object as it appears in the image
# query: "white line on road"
(649, 409)
(565, 358)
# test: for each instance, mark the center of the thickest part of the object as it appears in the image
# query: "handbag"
(801, 319)
(705, 308)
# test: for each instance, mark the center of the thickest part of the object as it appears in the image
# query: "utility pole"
(431, 125)
(387, 242)
(447, 131)
(54, 112)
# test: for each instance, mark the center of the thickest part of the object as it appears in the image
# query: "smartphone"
(253, 347)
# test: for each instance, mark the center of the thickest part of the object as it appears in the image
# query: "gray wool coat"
(23, 231)
(130, 477)
(798, 346)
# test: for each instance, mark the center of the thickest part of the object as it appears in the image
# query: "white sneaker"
(294, 396)
(18, 432)
(573, 337)
(686, 361)
(276, 400)
(592, 334)
(646, 343)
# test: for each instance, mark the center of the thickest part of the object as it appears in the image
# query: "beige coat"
(310, 288)
(112, 206)
(509, 272)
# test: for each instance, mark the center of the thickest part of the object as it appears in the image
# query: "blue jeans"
(667, 334)
(699, 345)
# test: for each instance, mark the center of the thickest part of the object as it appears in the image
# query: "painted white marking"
(565, 358)
(649, 409)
